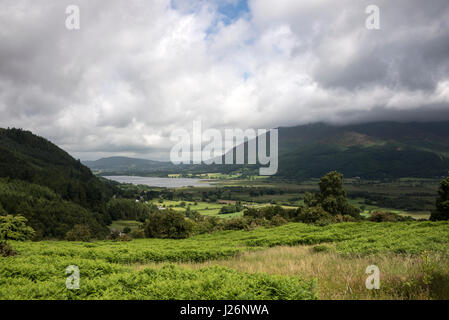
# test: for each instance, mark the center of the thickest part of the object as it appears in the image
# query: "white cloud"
(139, 69)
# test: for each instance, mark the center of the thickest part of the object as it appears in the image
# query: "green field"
(138, 269)
(209, 209)
(121, 224)
(203, 208)
(366, 210)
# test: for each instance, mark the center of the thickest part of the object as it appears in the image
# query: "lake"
(161, 182)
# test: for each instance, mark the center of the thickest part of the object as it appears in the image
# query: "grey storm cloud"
(136, 70)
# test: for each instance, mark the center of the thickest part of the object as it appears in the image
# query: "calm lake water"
(161, 182)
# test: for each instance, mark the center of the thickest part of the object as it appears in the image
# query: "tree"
(170, 224)
(331, 197)
(442, 202)
(15, 228)
(310, 199)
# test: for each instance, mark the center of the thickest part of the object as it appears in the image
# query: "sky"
(136, 70)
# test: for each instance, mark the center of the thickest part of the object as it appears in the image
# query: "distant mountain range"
(123, 165)
(369, 150)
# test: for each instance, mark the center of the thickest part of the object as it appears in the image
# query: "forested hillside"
(371, 150)
(49, 187)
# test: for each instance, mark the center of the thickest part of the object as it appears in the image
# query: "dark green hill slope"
(28, 157)
(372, 150)
(53, 190)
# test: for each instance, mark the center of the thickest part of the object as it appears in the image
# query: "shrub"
(125, 237)
(230, 209)
(170, 224)
(321, 248)
(277, 220)
(269, 212)
(383, 216)
(313, 214)
(2, 211)
(238, 223)
(137, 234)
(325, 221)
(6, 250)
(344, 218)
(205, 224)
(348, 218)
(126, 230)
(115, 235)
(253, 213)
(80, 232)
(194, 215)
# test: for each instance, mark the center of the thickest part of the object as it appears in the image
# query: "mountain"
(50, 188)
(370, 150)
(125, 165)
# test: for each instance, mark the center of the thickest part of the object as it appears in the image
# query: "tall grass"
(403, 276)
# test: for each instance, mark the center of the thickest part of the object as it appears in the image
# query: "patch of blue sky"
(227, 13)
(232, 10)
(228, 10)
(246, 75)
